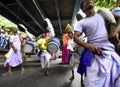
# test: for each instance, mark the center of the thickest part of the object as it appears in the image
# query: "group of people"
(99, 61)
(71, 51)
(4, 38)
(15, 56)
(16, 53)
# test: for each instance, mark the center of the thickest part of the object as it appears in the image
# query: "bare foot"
(42, 71)
(72, 78)
(46, 72)
(7, 74)
(22, 70)
(82, 84)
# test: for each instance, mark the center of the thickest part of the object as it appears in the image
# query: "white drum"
(53, 45)
(28, 48)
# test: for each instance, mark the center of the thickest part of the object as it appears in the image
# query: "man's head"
(43, 35)
(15, 30)
(70, 34)
(87, 5)
(3, 27)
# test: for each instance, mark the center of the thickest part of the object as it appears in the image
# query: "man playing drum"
(45, 56)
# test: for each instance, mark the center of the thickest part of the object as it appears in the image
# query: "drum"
(117, 10)
(28, 48)
(53, 45)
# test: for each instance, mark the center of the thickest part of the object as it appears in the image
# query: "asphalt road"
(32, 77)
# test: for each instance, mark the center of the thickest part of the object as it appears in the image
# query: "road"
(32, 77)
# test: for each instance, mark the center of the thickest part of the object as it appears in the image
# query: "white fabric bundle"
(108, 15)
(81, 13)
(83, 37)
(27, 32)
(50, 27)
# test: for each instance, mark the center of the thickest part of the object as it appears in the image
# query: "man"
(80, 15)
(15, 58)
(24, 41)
(104, 70)
(45, 56)
(73, 56)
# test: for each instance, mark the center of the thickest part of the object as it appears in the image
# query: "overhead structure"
(31, 13)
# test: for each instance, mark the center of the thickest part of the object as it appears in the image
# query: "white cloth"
(74, 60)
(71, 45)
(45, 60)
(16, 41)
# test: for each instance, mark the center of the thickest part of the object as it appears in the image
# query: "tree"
(107, 3)
(5, 22)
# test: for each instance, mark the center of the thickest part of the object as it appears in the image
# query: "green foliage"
(107, 3)
(5, 22)
(8, 24)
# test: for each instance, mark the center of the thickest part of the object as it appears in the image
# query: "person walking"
(15, 57)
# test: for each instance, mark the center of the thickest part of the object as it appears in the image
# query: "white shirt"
(15, 39)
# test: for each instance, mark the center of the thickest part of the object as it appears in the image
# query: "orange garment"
(65, 39)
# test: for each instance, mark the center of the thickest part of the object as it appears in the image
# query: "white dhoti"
(103, 71)
(45, 59)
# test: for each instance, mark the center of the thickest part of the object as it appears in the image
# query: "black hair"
(70, 32)
(3, 27)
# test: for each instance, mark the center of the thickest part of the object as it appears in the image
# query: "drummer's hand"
(95, 49)
(15, 49)
(118, 45)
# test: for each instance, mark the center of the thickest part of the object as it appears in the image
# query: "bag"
(7, 55)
